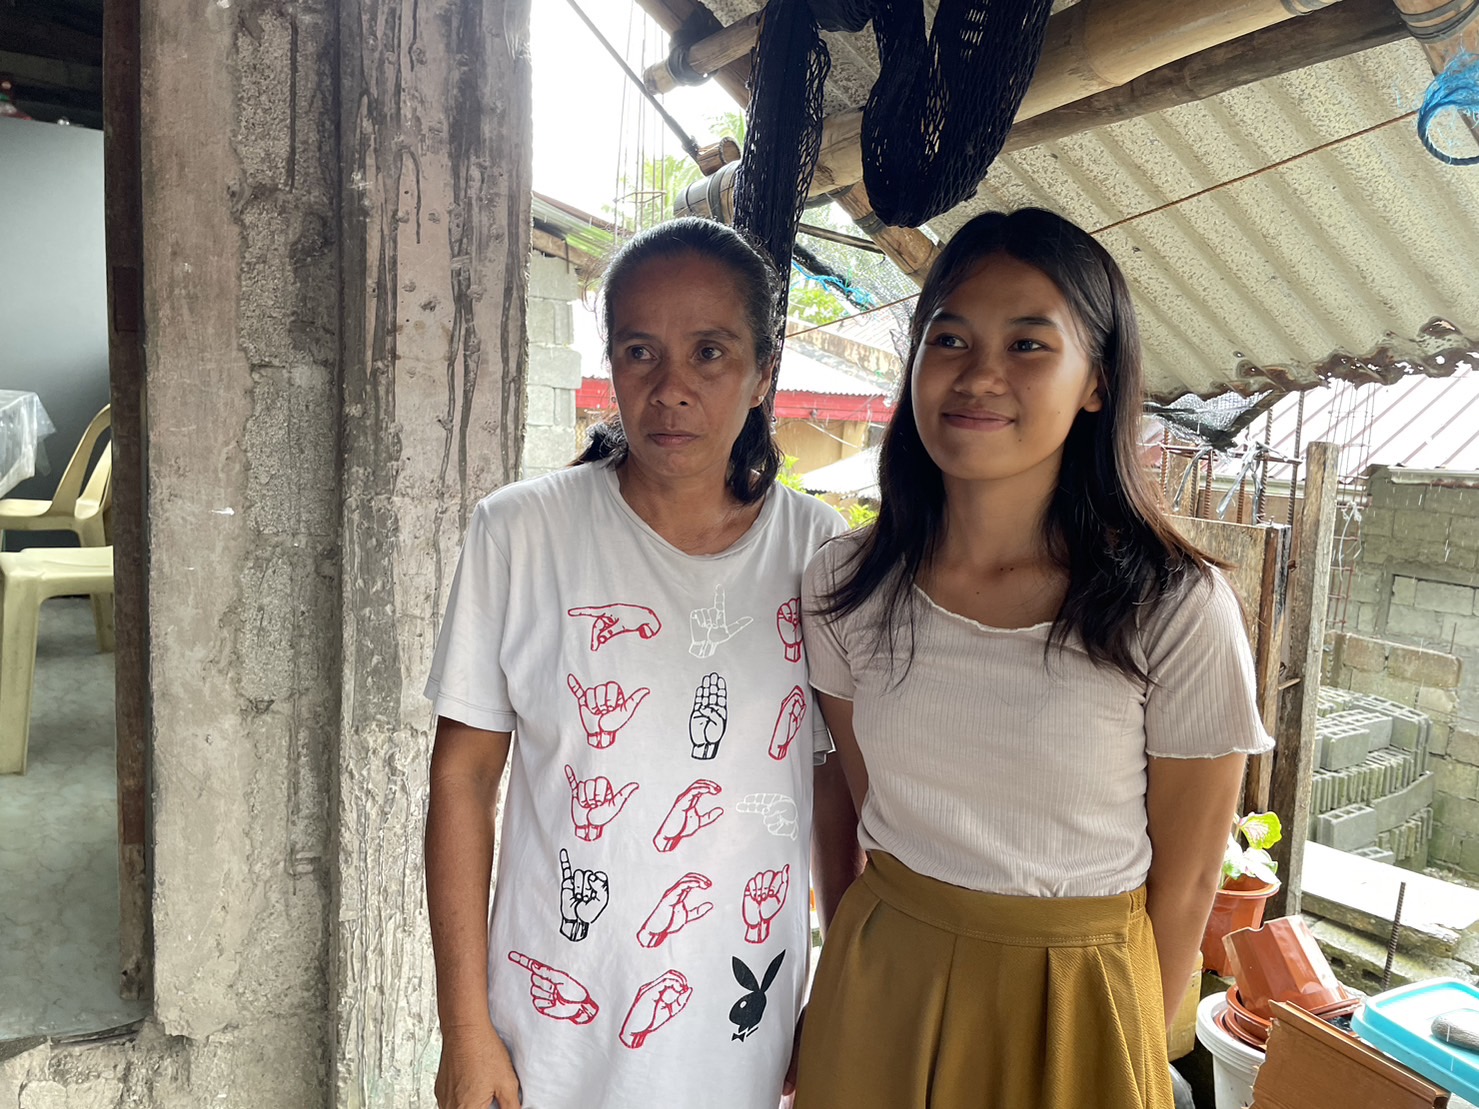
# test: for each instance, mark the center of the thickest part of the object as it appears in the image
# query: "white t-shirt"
(994, 767)
(650, 928)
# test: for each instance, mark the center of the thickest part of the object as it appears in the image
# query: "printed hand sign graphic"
(710, 716)
(778, 810)
(684, 818)
(710, 628)
(788, 623)
(594, 804)
(788, 723)
(583, 897)
(617, 619)
(656, 1003)
(764, 895)
(673, 911)
(604, 709)
(554, 993)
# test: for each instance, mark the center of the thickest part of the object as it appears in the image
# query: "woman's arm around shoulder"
(461, 820)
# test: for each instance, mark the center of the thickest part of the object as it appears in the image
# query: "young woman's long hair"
(1103, 524)
(755, 459)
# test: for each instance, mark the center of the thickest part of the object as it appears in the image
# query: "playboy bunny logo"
(748, 1010)
(709, 627)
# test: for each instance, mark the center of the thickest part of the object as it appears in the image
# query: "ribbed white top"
(993, 768)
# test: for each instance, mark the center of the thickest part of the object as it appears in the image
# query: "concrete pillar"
(436, 131)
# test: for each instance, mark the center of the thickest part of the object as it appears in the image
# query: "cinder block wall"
(554, 367)
(1428, 681)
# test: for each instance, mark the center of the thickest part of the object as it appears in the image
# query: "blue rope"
(1457, 87)
(860, 297)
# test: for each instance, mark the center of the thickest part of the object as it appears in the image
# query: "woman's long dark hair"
(1103, 524)
(755, 459)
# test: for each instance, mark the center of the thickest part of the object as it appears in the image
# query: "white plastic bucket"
(1234, 1064)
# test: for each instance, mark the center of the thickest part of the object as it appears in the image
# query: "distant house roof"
(854, 476)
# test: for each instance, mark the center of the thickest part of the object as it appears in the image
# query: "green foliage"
(860, 515)
(814, 304)
(1261, 831)
(788, 475)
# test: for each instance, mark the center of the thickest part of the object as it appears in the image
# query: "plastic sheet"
(23, 425)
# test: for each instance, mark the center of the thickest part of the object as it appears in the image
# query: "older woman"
(630, 629)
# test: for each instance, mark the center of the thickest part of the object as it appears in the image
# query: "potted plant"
(1248, 881)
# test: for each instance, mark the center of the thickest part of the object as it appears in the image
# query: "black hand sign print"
(710, 716)
(584, 895)
(748, 1010)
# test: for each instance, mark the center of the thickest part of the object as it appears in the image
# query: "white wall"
(53, 280)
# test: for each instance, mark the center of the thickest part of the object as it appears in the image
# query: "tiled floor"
(59, 845)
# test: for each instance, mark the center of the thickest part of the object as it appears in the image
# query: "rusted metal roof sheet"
(1277, 234)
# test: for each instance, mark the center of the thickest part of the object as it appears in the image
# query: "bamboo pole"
(1444, 30)
(703, 57)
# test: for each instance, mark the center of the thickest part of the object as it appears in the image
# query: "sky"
(591, 123)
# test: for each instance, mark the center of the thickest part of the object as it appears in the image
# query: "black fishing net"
(783, 129)
(1215, 422)
(936, 119)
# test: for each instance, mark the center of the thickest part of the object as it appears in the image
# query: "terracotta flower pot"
(1239, 904)
(1244, 1024)
(1281, 962)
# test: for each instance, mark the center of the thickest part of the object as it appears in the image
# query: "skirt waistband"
(998, 918)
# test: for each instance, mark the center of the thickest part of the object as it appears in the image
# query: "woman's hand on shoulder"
(475, 1071)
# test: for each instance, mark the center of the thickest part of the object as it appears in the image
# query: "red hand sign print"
(788, 723)
(554, 993)
(788, 623)
(617, 619)
(673, 911)
(604, 709)
(765, 894)
(594, 803)
(656, 1003)
(684, 818)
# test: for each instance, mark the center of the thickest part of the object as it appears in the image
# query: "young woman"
(1042, 698)
(630, 629)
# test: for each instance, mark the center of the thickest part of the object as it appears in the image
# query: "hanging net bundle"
(933, 124)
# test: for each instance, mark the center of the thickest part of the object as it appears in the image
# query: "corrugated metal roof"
(1272, 233)
(853, 476)
(1419, 422)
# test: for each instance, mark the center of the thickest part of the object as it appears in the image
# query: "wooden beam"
(48, 72)
(705, 56)
(1428, 17)
(123, 208)
(23, 33)
(1294, 733)
(1323, 36)
(586, 265)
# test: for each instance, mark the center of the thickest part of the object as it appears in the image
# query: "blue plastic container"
(1400, 1023)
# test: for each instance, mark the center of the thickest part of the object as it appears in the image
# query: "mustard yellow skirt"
(931, 995)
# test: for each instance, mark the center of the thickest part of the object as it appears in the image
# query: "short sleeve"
(467, 683)
(1202, 701)
(826, 654)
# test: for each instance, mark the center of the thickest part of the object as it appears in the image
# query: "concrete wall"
(336, 228)
(550, 438)
(815, 445)
(53, 308)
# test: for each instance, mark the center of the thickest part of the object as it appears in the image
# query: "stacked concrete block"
(1332, 700)
(1409, 840)
(1344, 739)
(554, 367)
(1348, 828)
(1379, 774)
(1395, 809)
(1377, 854)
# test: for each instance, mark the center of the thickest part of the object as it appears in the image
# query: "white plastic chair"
(81, 498)
(26, 579)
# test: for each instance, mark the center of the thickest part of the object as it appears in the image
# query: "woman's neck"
(698, 515)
